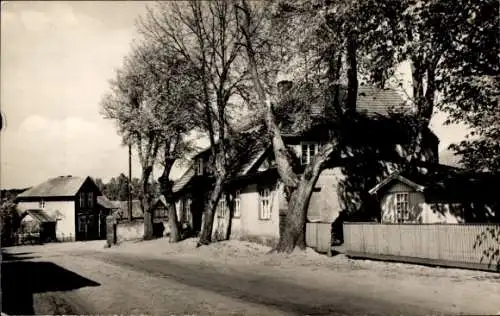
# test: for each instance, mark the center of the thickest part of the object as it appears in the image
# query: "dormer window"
(308, 150)
(199, 166)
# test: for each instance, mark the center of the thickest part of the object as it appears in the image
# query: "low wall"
(134, 230)
(129, 230)
(451, 245)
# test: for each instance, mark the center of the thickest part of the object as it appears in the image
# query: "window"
(237, 205)
(221, 207)
(82, 199)
(402, 207)
(308, 150)
(161, 212)
(199, 166)
(90, 199)
(81, 223)
(264, 204)
(41, 204)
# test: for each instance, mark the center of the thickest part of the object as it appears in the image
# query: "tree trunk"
(424, 102)
(209, 213)
(173, 222)
(148, 221)
(166, 191)
(146, 203)
(294, 232)
(301, 190)
(281, 156)
(228, 220)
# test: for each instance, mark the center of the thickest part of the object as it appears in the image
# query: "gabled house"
(258, 202)
(71, 202)
(443, 195)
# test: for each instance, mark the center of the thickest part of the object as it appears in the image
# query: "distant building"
(75, 204)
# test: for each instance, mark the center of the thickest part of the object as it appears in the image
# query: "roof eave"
(396, 176)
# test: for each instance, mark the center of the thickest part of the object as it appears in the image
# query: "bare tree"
(298, 187)
(149, 101)
(205, 34)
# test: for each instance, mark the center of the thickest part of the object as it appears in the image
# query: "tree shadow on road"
(22, 279)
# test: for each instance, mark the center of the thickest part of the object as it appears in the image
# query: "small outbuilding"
(444, 196)
(38, 223)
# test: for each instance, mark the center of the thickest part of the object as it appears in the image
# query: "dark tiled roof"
(40, 216)
(371, 101)
(444, 180)
(106, 203)
(379, 101)
(60, 186)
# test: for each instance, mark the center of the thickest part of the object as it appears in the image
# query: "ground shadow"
(17, 257)
(21, 279)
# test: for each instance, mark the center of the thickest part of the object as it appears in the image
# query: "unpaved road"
(97, 282)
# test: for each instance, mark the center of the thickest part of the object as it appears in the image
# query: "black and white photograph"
(250, 157)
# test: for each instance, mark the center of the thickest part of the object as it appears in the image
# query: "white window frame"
(199, 166)
(402, 207)
(82, 200)
(265, 204)
(306, 157)
(159, 212)
(41, 204)
(221, 207)
(90, 199)
(237, 204)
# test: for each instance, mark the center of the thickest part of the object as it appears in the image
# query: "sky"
(56, 61)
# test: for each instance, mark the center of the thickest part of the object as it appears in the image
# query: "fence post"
(110, 230)
(329, 252)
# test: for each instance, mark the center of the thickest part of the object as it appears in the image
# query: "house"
(442, 195)
(72, 202)
(257, 196)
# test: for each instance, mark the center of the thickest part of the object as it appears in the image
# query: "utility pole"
(130, 181)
